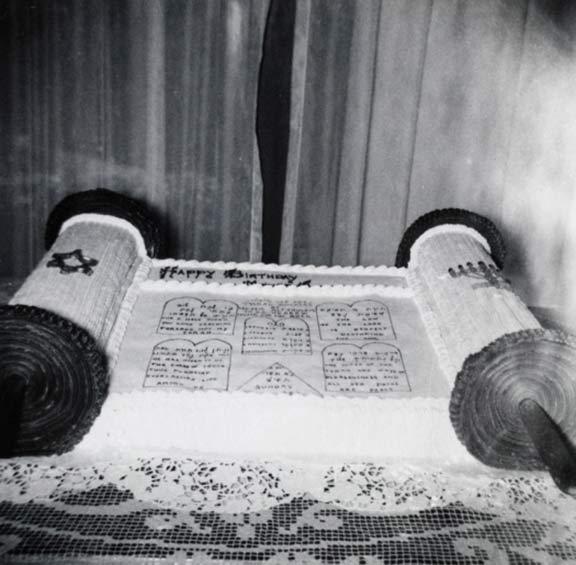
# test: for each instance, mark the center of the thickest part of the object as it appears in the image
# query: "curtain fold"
(359, 73)
(399, 108)
(153, 98)
(405, 107)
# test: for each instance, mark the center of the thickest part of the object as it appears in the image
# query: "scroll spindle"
(552, 446)
(12, 391)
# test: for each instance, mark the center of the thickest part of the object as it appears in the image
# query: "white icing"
(445, 229)
(244, 425)
(464, 307)
(107, 220)
(431, 322)
(103, 258)
(249, 425)
(275, 291)
(334, 269)
(275, 427)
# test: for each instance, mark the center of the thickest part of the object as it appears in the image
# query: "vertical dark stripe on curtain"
(358, 70)
(273, 120)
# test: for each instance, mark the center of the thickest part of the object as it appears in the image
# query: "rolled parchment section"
(90, 264)
(452, 216)
(537, 365)
(54, 332)
(106, 202)
(493, 350)
(64, 375)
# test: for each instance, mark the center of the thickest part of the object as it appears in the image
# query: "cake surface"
(307, 364)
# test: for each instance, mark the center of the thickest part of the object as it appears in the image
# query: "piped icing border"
(107, 220)
(320, 269)
(262, 275)
(279, 290)
(124, 314)
(417, 403)
(272, 274)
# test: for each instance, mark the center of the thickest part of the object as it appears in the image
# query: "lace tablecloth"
(188, 511)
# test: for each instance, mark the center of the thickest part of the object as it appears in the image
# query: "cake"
(317, 373)
(289, 363)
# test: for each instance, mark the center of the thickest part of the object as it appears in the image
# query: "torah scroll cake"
(304, 363)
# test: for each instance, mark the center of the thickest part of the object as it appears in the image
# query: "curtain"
(402, 107)
(395, 108)
(153, 98)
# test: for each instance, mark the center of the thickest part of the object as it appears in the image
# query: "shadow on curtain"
(155, 99)
(402, 107)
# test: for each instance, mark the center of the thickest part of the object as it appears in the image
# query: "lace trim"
(232, 486)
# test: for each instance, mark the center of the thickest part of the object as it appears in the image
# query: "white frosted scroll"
(374, 368)
(365, 319)
(195, 366)
(465, 300)
(189, 316)
(86, 273)
(289, 336)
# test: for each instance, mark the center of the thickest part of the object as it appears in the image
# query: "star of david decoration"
(72, 262)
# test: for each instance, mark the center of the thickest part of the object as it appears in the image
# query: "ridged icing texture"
(465, 299)
(91, 298)
(105, 220)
